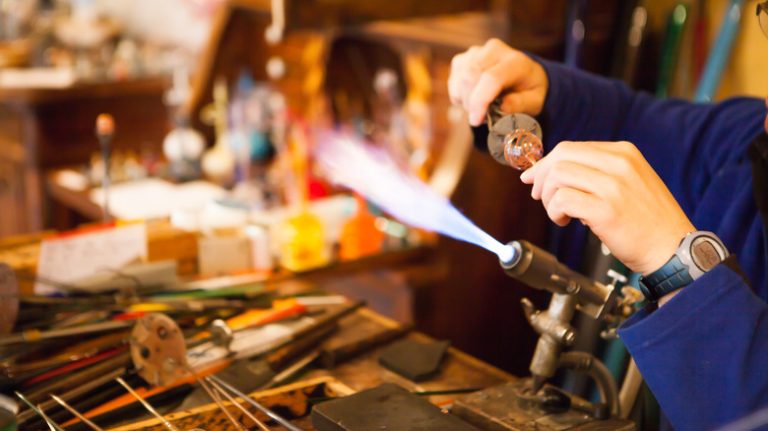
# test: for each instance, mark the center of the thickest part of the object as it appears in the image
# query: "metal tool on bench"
(272, 415)
(146, 405)
(513, 405)
(53, 426)
(76, 413)
(159, 353)
(571, 291)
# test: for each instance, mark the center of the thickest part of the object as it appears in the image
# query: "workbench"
(459, 371)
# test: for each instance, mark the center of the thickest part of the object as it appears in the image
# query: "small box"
(386, 407)
(165, 242)
(222, 255)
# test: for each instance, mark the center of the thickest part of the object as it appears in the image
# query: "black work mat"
(385, 407)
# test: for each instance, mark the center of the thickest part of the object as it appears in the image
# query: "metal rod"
(34, 335)
(146, 405)
(215, 398)
(630, 389)
(277, 418)
(77, 414)
(292, 370)
(78, 391)
(51, 424)
(234, 402)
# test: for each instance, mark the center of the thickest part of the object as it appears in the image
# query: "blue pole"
(718, 56)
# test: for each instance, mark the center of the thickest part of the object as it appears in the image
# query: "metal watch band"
(670, 277)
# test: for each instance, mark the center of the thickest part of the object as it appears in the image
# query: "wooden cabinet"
(41, 129)
(19, 182)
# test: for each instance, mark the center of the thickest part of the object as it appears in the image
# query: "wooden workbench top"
(458, 371)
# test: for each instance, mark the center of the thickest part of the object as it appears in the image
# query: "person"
(645, 174)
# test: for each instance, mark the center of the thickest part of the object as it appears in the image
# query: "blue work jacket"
(704, 354)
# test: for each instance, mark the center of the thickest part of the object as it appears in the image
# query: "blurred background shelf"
(42, 129)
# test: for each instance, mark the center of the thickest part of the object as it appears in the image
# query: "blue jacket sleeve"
(703, 354)
(686, 143)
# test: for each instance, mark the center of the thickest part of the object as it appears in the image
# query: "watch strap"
(670, 277)
(697, 253)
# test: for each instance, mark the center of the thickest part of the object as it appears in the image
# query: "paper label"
(72, 257)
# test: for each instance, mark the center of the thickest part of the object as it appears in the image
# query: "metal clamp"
(544, 323)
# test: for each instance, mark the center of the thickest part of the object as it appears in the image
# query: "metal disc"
(158, 349)
(506, 125)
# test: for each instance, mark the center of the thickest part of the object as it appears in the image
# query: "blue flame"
(371, 172)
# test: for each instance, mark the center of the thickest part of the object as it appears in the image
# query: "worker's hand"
(481, 73)
(611, 188)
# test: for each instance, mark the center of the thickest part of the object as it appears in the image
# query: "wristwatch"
(699, 252)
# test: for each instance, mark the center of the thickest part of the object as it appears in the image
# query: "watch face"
(705, 254)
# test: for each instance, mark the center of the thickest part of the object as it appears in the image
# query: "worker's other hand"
(481, 73)
(611, 188)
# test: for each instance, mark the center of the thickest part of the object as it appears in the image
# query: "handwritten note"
(71, 257)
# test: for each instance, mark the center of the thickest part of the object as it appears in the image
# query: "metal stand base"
(510, 407)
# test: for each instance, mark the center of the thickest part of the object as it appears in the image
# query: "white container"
(261, 255)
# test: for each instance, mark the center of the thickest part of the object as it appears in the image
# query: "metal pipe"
(541, 270)
(545, 358)
(584, 362)
(633, 380)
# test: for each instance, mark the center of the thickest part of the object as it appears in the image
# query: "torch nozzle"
(508, 254)
(540, 269)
